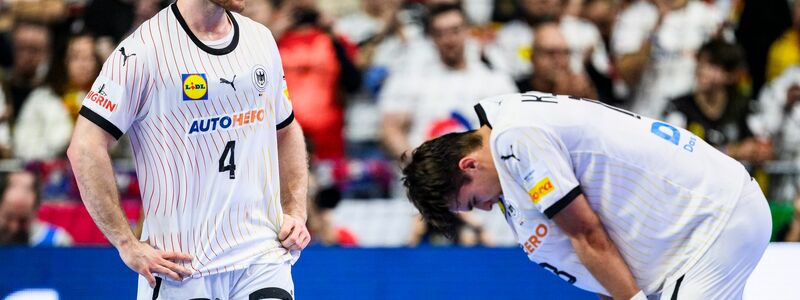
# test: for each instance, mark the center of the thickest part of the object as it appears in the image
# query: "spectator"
(260, 11)
(717, 111)
(44, 125)
(785, 52)
(319, 68)
(320, 215)
(791, 232)
(777, 116)
(421, 104)
(760, 23)
(655, 43)
(603, 14)
(31, 42)
(511, 51)
(45, 11)
(777, 122)
(552, 73)
(469, 232)
(375, 17)
(5, 128)
(19, 201)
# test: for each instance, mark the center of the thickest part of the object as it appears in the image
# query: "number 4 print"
(231, 166)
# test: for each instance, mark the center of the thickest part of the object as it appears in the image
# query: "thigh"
(210, 287)
(722, 272)
(265, 281)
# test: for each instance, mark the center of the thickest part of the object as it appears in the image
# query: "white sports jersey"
(662, 194)
(202, 123)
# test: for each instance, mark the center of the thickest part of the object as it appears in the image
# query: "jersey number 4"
(228, 156)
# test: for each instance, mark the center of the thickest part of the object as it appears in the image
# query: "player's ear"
(467, 163)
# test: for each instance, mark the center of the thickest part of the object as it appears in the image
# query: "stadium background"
(371, 248)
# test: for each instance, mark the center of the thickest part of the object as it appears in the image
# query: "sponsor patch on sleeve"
(104, 96)
(541, 189)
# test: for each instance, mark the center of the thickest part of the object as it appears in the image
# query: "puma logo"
(125, 57)
(225, 81)
(510, 156)
(100, 91)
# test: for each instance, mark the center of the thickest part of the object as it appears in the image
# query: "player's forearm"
(293, 166)
(599, 254)
(92, 167)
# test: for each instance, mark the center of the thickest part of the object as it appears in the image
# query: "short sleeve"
(540, 163)
(284, 115)
(119, 94)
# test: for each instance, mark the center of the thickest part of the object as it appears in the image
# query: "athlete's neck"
(207, 20)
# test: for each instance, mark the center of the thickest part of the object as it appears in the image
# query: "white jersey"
(202, 123)
(662, 194)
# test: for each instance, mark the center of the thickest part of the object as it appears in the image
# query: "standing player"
(612, 202)
(200, 91)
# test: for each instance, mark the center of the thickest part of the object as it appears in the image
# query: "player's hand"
(294, 234)
(146, 260)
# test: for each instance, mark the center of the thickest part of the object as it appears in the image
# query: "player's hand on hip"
(147, 261)
(294, 234)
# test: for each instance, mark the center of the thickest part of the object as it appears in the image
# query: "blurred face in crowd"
(601, 13)
(711, 76)
(449, 32)
(671, 4)
(17, 211)
(550, 52)
(542, 10)
(259, 10)
(232, 5)
(81, 61)
(31, 44)
(796, 14)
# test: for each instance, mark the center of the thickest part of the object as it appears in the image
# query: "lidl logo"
(541, 189)
(195, 87)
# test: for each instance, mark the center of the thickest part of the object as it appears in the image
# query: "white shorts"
(721, 273)
(259, 281)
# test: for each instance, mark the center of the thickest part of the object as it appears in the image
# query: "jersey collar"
(204, 47)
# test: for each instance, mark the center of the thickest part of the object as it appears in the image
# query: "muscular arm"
(595, 249)
(293, 166)
(394, 128)
(88, 154)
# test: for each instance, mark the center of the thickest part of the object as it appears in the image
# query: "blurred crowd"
(371, 79)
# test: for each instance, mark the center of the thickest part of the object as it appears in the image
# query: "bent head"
(451, 173)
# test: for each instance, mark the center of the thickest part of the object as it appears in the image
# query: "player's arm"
(595, 249)
(88, 154)
(293, 166)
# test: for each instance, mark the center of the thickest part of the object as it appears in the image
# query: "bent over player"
(200, 92)
(612, 202)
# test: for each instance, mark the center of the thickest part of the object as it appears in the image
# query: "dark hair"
(57, 77)
(36, 188)
(718, 52)
(432, 177)
(438, 10)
